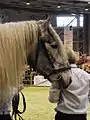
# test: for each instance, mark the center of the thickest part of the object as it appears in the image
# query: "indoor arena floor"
(38, 107)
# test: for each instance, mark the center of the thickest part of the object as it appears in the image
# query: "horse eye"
(54, 46)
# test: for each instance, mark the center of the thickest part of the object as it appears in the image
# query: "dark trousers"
(63, 116)
(5, 117)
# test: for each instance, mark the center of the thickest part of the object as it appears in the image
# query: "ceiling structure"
(48, 6)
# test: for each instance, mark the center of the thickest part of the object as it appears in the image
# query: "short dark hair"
(72, 60)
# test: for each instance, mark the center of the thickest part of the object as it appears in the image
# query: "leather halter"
(15, 105)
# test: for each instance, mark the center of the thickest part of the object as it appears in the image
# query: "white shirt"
(74, 99)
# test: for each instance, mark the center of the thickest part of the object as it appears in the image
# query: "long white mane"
(14, 38)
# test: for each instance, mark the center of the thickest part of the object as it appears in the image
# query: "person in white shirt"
(72, 103)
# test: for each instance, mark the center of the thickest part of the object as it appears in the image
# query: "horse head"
(50, 59)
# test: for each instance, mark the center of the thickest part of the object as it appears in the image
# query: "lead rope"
(15, 104)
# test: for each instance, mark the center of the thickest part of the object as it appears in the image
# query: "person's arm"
(88, 77)
(89, 95)
(54, 93)
(89, 92)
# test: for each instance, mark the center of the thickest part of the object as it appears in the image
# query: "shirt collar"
(73, 66)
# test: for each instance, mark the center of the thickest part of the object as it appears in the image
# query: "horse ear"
(48, 20)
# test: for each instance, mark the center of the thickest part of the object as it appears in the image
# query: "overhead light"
(88, 2)
(27, 3)
(73, 14)
(58, 6)
(86, 9)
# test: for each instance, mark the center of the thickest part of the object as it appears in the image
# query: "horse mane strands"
(33, 31)
(13, 39)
